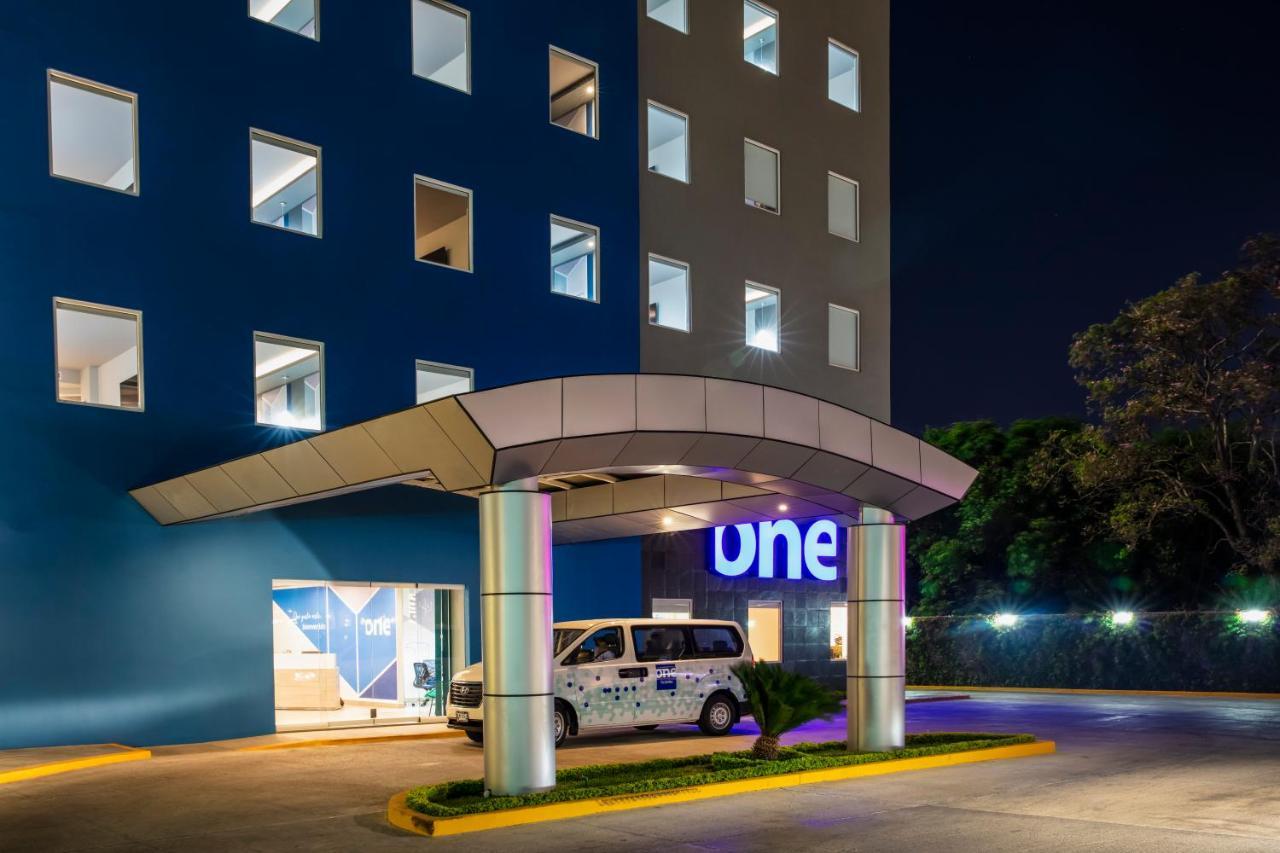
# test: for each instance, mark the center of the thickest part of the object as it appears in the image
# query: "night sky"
(1050, 163)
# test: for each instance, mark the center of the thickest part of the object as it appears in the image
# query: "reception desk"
(307, 682)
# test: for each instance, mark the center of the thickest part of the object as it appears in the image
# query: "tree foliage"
(782, 700)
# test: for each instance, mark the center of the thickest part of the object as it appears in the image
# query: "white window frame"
(441, 367)
(777, 38)
(52, 75)
(685, 603)
(315, 38)
(270, 138)
(599, 270)
(595, 96)
(688, 159)
(448, 7)
(857, 77)
(777, 176)
(776, 292)
(107, 310)
(289, 340)
(857, 337)
(471, 228)
(688, 291)
(857, 208)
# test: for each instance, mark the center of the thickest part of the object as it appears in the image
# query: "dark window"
(660, 642)
(604, 645)
(717, 641)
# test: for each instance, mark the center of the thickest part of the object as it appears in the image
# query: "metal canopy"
(623, 455)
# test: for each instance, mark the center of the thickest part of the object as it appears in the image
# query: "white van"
(629, 672)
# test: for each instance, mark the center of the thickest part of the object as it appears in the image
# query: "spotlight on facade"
(1005, 620)
(1122, 617)
(783, 507)
(1254, 617)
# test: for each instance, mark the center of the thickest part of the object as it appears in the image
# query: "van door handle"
(634, 672)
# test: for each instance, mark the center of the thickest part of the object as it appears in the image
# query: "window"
(288, 376)
(671, 608)
(561, 638)
(441, 43)
(673, 13)
(842, 207)
(764, 630)
(668, 142)
(763, 307)
(296, 16)
(602, 646)
(285, 183)
(99, 352)
(760, 36)
(93, 133)
(842, 337)
(716, 641)
(760, 165)
(839, 625)
(659, 642)
(843, 82)
(575, 255)
(441, 224)
(668, 293)
(442, 380)
(575, 95)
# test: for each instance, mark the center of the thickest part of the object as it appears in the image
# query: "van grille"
(465, 694)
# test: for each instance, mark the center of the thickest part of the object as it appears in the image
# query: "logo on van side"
(814, 549)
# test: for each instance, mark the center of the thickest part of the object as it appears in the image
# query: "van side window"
(603, 645)
(659, 642)
(717, 641)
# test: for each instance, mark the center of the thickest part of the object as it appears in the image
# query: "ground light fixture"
(1122, 618)
(1005, 620)
(1254, 617)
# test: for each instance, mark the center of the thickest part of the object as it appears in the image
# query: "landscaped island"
(452, 799)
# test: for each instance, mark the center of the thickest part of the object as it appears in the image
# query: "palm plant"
(782, 701)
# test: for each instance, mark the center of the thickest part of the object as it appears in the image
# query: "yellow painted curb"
(400, 815)
(348, 741)
(1083, 691)
(36, 771)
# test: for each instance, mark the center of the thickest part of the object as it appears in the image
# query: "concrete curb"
(1083, 691)
(52, 768)
(403, 817)
(348, 741)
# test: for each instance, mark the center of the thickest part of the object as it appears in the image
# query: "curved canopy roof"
(622, 455)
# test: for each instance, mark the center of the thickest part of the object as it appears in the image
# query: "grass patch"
(450, 799)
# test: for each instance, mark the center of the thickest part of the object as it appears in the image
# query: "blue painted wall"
(112, 628)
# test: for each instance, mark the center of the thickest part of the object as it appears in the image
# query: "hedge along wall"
(1166, 651)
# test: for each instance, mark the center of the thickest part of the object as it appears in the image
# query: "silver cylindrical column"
(515, 594)
(876, 665)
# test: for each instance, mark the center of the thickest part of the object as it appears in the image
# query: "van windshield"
(563, 638)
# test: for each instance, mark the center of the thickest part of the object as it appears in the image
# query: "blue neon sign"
(813, 550)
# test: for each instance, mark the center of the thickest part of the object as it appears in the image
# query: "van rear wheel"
(474, 736)
(561, 722)
(717, 715)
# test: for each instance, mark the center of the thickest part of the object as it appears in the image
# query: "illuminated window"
(672, 608)
(575, 258)
(839, 626)
(93, 133)
(99, 352)
(842, 207)
(442, 224)
(575, 93)
(842, 337)
(764, 630)
(441, 42)
(668, 142)
(760, 36)
(285, 182)
(668, 293)
(842, 76)
(760, 166)
(296, 16)
(288, 375)
(673, 13)
(442, 380)
(764, 304)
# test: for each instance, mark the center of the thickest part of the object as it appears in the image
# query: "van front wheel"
(717, 715)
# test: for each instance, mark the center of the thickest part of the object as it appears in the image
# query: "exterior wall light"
(1254, 617)
(1005, 620)
(908, 622)
(1122, 618)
